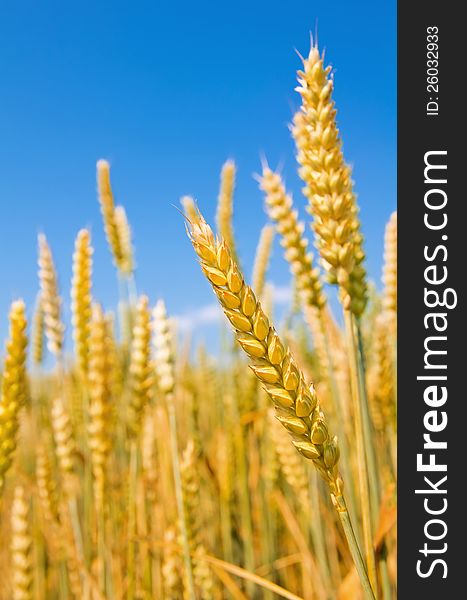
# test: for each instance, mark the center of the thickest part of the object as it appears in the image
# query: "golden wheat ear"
(50, 298)
(296, 403)
(81, 299)
(21, 547)
(13, 386)
(280, 209)
(328, 183)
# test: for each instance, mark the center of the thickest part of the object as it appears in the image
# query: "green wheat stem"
(338, 410)
(354, 548)
(363, 476)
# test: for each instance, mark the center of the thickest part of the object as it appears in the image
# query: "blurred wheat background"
(138, 460)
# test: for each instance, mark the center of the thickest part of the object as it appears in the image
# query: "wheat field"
(135, 466)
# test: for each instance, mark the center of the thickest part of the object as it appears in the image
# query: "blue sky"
(167, 91)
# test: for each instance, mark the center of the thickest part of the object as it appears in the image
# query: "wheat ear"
(280, 209)
(296, 403)
(384, 371)
(141, 367)
(125, 235)
(329, 187)
(37, 335)
(107, 204)
(65, 446)
(100, 390)
(262, 257)
(13, 386)
(224, 215)
(46, 486)
(51, 301)
(171, 566)
(189, 208)
(21, 545)
(81, 299)
(297, 406)
(99, 434)
(390, 270)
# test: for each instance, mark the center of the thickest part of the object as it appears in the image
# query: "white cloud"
(211, 314)
(208, 314)
(282, 294)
